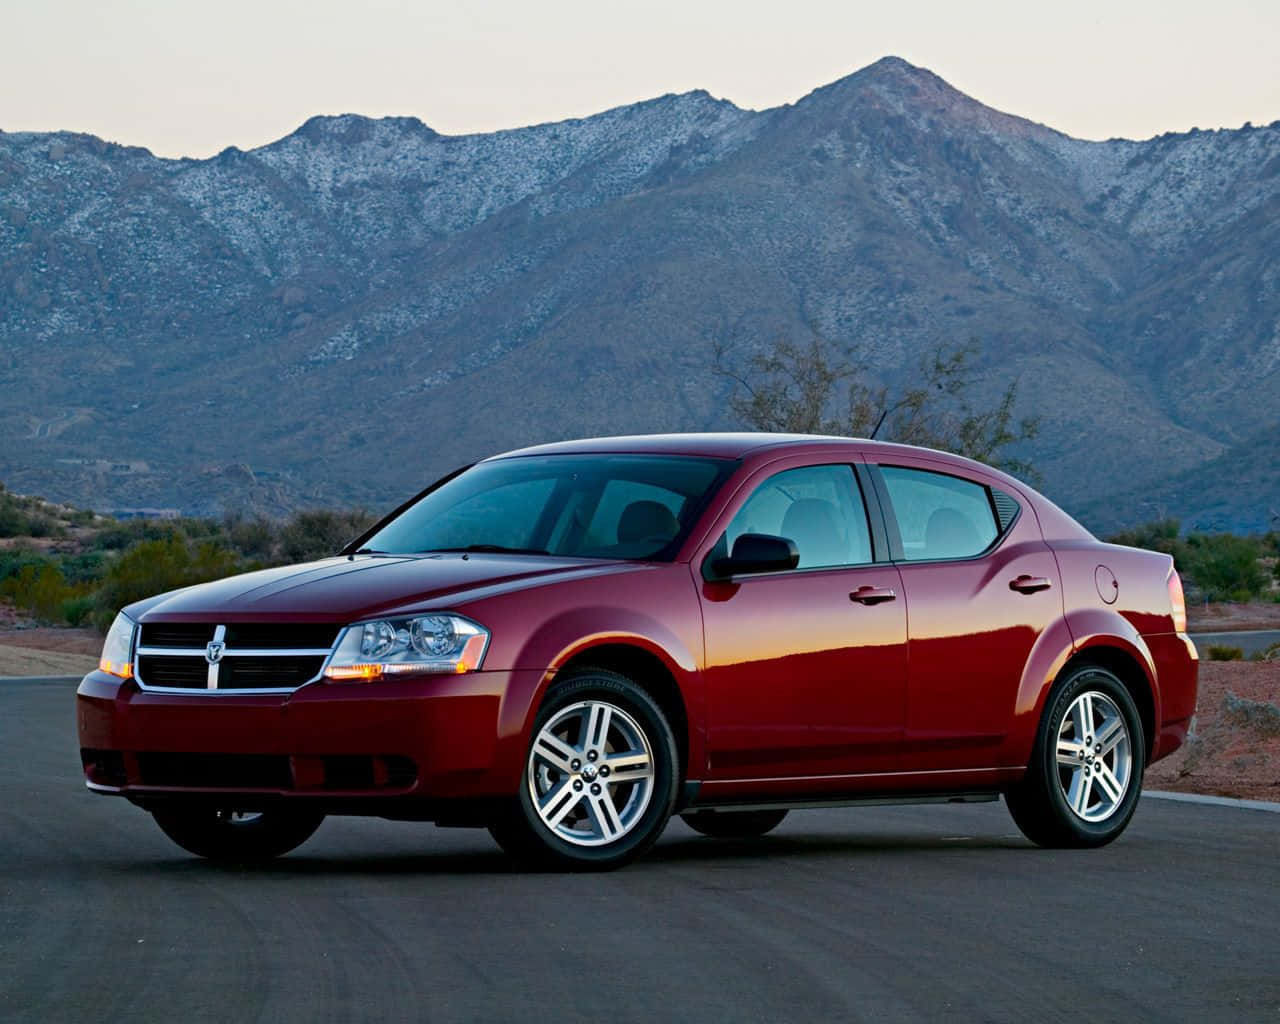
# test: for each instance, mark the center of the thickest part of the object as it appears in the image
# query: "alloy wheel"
(1094, 756)
(591, 773)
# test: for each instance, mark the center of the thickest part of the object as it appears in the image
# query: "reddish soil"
(1234, 749)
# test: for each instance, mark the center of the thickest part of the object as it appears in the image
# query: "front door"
(805, 670)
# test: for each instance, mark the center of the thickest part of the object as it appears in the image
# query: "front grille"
(175, 634)
(270, 673)
(270, 636)
(224, 771)
(173, 672)
(235, 656)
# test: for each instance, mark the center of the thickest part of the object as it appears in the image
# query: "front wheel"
(1085, 776)
(600, 777)
(226, 834)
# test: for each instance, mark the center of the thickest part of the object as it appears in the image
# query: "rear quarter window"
(940, 516)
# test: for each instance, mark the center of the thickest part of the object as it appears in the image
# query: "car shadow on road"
(677, 850)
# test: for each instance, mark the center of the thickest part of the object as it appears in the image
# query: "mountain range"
(340, 316)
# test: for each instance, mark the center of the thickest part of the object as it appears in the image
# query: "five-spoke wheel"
(1095, 761)
(600, 776)
(591, 773)
(1085, 776)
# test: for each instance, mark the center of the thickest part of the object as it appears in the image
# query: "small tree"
(813, 389)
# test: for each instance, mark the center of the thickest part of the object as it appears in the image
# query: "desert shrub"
(155, 566)
(255, 538)
(1157, 535)
(40, 589)
(86, 567)
(1224, 652)
(1224, 567)
(122, 533)
(76, 611)
(14, 560)
(318, 533)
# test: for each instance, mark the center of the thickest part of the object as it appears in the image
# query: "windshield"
(581, 506)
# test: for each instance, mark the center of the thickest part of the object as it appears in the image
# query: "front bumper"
(361, 747)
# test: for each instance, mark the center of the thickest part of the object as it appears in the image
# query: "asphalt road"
(867, 914)
(1250, 642)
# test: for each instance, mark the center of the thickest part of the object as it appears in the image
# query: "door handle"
(873, 595)
(1025, 584)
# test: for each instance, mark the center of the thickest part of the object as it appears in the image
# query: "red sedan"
(568, 644)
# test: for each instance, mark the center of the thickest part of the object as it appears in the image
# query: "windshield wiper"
(369, 551)
(488, 549)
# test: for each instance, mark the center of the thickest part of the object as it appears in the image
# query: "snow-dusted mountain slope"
(344, 313)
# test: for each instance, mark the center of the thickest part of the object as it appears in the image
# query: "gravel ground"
(1234, 749)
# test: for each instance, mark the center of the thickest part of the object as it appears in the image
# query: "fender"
(1103, 627)
(1052, 650)
(571, 633)
(1073, 634)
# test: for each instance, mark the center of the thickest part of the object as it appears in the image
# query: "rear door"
(981, 587)
(805, 670)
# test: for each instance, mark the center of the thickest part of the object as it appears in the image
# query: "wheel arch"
(1125, 667)
(647, 670)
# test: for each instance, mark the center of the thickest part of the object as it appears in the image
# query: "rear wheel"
(600, 777)
(734, 824)
(1085, 776)
(227, 834)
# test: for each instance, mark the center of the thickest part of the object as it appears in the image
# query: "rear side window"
(940, 516)
(818, 507)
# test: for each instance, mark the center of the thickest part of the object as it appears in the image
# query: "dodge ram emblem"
(213, 652)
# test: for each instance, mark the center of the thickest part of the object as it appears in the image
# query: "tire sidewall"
(202, 832)
(622, 693)
(1090, 678)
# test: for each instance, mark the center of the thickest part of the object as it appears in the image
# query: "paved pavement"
(860, 914)
(1249, 642)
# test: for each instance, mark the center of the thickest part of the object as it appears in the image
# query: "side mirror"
(757, 552)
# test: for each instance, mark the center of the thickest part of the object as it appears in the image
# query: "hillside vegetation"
(65, 566)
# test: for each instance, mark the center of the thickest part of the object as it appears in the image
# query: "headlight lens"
(425, 643)
(117, 649)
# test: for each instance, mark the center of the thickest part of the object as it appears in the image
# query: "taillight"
(1178, 602)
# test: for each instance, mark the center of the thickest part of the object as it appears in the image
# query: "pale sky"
(188, 79)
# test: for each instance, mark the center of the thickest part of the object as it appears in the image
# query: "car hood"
(348, 588)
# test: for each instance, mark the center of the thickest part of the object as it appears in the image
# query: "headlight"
(117, 649)
(424, 643)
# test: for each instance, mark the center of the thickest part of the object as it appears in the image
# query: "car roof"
(719, 445)
(716, 445)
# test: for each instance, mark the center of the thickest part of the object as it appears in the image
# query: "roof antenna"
(879, 424)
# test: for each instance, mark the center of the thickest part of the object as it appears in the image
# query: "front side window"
(939, 516)
(582, 506)
(820, 508)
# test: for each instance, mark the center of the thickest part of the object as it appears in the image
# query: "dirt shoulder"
(28, 661)
(1234, 749)
(1231, 618)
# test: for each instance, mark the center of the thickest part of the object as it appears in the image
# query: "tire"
(1082, 794)
(600, 777)
(734, 824)
(225, 834)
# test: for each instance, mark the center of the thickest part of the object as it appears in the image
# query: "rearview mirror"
(757, 552)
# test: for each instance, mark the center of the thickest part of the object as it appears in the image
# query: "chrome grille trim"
(211, 689)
